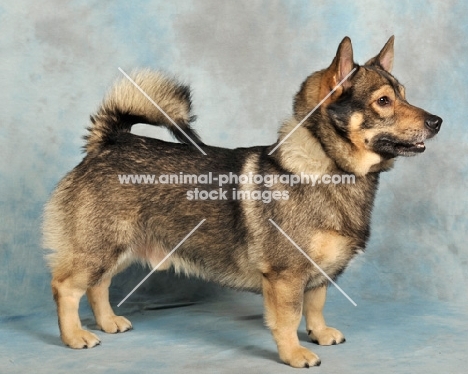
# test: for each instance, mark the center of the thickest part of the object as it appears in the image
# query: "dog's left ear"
(385, 58)
(343, 63)
(341, 66)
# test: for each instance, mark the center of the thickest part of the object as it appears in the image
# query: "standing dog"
(96, 226)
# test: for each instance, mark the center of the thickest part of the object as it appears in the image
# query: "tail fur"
(125, 106)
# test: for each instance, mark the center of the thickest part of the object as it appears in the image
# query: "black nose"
(433, 123)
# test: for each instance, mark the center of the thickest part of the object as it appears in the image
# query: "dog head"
(361, 112)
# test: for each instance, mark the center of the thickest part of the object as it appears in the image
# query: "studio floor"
(227, 335)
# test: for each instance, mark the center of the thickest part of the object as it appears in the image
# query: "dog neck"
(301, 152)
(324, 152)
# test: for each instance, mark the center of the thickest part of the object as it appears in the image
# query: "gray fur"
(95, 226)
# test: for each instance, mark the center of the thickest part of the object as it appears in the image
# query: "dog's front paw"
(114, 324)
(326, 336)
(80, 339)
(300, 357)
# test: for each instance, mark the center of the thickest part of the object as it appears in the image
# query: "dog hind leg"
(67, 294)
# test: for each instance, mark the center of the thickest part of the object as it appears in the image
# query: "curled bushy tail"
(126, 105)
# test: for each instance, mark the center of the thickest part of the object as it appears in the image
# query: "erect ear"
(341, 66)
(344, 59)
(385, 58)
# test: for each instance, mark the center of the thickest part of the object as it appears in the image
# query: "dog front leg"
(283, 313)
(98, 297)
(318, 331)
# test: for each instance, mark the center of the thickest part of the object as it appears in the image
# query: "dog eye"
(383, 101)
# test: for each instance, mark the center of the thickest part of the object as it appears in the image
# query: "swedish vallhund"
(96, 226)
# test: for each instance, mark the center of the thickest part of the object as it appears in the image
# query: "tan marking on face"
(384, 91)
(365, 158)
(409, 119)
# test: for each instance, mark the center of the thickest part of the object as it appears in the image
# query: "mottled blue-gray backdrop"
(244, 60)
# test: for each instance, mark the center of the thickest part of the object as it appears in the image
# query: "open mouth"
(418, 147)
(392, 147)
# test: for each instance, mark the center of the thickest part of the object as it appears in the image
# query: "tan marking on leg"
(67, 294)
(283, 307)
(318, 331)
(98, 297)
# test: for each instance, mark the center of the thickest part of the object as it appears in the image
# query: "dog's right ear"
(384, 59)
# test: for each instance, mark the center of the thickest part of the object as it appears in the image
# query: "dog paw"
(300, 357)
(80, 339)
(115, 324)
(326, 336)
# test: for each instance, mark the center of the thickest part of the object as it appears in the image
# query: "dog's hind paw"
(326, 336)
(114, 324)
(80, 339)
